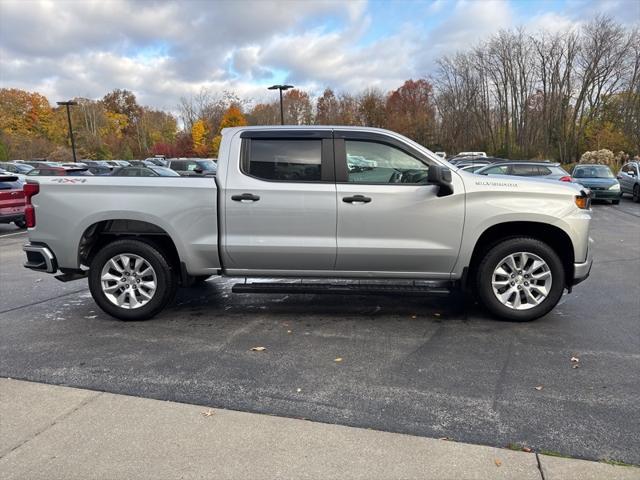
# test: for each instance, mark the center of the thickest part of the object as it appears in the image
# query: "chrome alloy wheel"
(521, 280)
(128, 281)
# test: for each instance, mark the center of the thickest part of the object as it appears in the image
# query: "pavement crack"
(55, 421)
(501, 376)
(540, 466)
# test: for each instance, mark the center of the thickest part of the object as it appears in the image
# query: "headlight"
(615, 186)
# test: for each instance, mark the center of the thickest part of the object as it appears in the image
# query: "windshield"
(164, 171)
(207, 165)
(593, 171)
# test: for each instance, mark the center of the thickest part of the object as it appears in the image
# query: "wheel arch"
(552, 235)
(103, 232)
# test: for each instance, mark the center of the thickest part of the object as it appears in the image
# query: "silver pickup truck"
(314, 202)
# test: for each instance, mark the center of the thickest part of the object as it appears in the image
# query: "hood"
(595, 182)
(522, 184)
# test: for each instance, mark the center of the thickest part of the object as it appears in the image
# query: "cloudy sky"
(162, 50)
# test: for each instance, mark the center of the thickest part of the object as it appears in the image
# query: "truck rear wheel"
(131, 279)
(520, 279)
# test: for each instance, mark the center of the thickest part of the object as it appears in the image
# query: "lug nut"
(526, 284)
(138, 280)
(513, 283)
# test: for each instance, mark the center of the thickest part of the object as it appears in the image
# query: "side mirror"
(441, 176)
(198, 170)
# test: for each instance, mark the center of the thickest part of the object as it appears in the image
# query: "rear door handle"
(356, 199)
(245, 197)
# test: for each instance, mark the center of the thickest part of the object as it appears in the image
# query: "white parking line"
(11, 234)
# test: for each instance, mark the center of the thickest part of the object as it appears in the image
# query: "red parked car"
(12, 200)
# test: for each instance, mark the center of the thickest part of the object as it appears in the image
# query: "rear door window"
(524, 170)
(283, 160)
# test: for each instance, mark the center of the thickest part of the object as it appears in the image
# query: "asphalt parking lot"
(430, 367)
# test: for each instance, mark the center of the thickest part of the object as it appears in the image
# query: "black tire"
(616, 202)
(493, 257)
(166, 284)
(636, 193)
(20, 223)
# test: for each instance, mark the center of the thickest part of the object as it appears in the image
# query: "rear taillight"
(566, 178)
(30, 189)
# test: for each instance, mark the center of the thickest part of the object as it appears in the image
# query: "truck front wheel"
(131, 279)
(520, 279)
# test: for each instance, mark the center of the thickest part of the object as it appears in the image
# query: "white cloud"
(165, 49)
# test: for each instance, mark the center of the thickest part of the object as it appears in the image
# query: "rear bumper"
(40, 258)
(582, 270)
(11, 217)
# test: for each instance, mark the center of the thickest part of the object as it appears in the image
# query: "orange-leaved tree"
(199, 138)
(233, 117)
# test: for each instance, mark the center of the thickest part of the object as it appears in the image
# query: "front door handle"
(245, 197)
(356, 199)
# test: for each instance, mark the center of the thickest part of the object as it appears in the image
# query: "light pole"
(68, 103)
(281, 88)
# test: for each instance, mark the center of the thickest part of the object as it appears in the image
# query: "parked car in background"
(600, 180)
(550, 171)
(59, 171)
(98, 167)
(472, 168)
(472, 154)
(21, 176)
(474, 160)
(144, 171)
(629, 178)
(117, 163)
(12, 200)
(190, 167)
(74, 165)
(158, 161)
(41, 163)
(14, 167)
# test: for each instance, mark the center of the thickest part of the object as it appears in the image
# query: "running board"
(340, 289)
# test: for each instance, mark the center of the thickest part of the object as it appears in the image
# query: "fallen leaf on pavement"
(288, 331)
(526, 449)
(539, 387)
(497, 462)
(339, 359)
(575, 359)
(208, 413)
(258, 349)
(575, 366)
(298, 390)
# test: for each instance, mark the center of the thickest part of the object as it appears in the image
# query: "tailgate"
(11, 201)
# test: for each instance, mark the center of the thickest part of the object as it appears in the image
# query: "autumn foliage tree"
(233, 117)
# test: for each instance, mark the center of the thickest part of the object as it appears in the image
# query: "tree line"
(515, 95)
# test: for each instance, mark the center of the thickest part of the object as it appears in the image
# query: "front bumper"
(40, 258)
(605, 194)
(582, 270)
